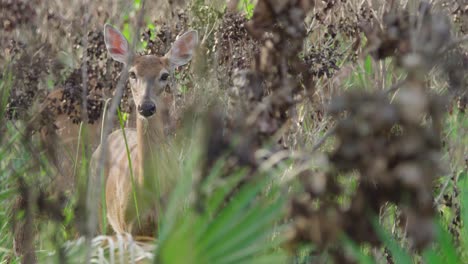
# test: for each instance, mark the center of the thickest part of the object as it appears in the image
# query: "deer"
(149, 75)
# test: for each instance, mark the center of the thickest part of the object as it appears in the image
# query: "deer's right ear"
(116, 44)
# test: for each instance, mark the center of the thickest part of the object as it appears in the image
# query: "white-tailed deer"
(148, 75)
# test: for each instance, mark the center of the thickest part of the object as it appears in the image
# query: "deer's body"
(148, 77)
(143, 143)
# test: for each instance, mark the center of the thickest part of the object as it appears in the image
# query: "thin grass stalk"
(93, 189)
(122, 128)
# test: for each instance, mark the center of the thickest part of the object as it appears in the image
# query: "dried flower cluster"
(278, 27)
(322, 62)
(395, 154)
(459, 13)
(29, 72)
(267, 90)
(414, 40)
(397, 160)
(234, 46)
(338, 17)
(15, 13)
(455, 65)
(102, 78)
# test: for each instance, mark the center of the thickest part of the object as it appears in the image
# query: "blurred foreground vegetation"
(301, 132)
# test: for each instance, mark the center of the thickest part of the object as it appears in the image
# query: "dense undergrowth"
(301, 132)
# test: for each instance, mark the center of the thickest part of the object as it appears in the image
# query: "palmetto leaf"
(241, 231)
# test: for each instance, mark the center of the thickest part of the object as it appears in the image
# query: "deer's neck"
(150, 139)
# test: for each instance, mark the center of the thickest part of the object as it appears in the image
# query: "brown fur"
(145, 144)
(150, 66)
(121, 212)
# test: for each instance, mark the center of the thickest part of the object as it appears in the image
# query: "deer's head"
(149, 74)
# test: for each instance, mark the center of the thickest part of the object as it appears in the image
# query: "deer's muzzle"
(147, 109)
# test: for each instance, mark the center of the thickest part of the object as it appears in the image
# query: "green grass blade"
(247, 233)
(448, 249)
(463, 182)
(431, 256)
(227, 217)
(398, 253)
(121, 122)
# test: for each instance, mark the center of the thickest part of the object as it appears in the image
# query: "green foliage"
(152, 27)
(5, 86)
(247, 6)
(463, 182)
(443, 250)
(127, 31)
(240, 231)
(357, 252)
(399, 254)
(7, 190)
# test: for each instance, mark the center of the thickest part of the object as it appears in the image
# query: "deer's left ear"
(182, 49)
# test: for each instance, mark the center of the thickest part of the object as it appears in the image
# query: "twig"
(84, 69)
(322, 140)
(394, 87)
(84, 94)
(25, 234)
(95, 187)
(442, 190)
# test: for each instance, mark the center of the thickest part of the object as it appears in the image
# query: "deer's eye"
(132, 75)
(164, 76)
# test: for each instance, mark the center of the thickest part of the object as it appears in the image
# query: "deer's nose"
(147, 109)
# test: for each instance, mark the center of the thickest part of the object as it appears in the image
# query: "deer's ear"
(116, 44)
(182, 49)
